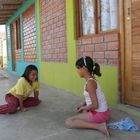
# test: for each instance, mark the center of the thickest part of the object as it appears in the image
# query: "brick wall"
(29, 33)
(103, 48)
(53, 30)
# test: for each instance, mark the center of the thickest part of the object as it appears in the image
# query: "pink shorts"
(99, 117)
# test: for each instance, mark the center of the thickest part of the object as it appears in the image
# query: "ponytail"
(96, 69)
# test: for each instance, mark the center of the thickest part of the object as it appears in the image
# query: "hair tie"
(94, 65)
(85, 60)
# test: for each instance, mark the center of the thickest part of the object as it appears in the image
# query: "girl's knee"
(12, 110)
(38, 101)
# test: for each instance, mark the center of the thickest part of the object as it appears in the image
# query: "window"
(94, 16)
(18, 39)
(108, 13)
(87, 16)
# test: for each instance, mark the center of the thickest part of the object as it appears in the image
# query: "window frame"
(18, 34)
(97, 27)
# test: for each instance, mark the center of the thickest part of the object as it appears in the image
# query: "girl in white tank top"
(102, 104)
(94, 110)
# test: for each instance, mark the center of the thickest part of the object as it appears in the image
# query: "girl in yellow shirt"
(18, 96)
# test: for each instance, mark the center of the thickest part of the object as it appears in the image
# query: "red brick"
(57, 50)
(88, 54)
(62, 39)
(62, 50)
(111, 37)
(111, 54)
(113, 45)
(79, 55)
(63, 28)
(60, 45)
(64, 22)
(60, 23)
(81, 49)
(60, 55)
(98, 55)
(78, 42)
(97, 39)
(56, 30)
(56, 40)
(100, 47)
(62, 17)
(55, 56)
(101, 61)
(86, 41)
(89, 48)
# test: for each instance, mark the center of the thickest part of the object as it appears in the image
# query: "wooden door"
(132, 52)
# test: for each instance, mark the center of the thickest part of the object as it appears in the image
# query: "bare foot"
(103, 128)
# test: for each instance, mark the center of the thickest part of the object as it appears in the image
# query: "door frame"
(122, 50)
(125, 13)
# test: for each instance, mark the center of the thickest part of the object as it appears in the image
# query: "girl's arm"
(21, 103)
(83, 103)
(91, 89)
(36, 94)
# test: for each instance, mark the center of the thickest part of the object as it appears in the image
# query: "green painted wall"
(64, 75)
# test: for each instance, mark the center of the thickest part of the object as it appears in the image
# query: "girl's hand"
(82, 109)
(24, 109)
(80, 105)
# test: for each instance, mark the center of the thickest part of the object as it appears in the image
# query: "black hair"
(27, 72)
(93, 67)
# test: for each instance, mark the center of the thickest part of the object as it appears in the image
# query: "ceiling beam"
(2, 22)
(3, 18)
(9, 7)
(2, 12)
(11, 1)
(6, 15)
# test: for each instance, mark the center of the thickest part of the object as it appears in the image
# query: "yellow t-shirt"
(23, 88)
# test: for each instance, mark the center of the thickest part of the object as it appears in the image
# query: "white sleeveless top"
(102, 104)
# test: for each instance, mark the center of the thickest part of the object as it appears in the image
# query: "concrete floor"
(46, 122)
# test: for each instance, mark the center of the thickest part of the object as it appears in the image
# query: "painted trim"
(37, 35)
(122, 50)
(11, 49)
(7, 44)
(22, 38)
(70, 31)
